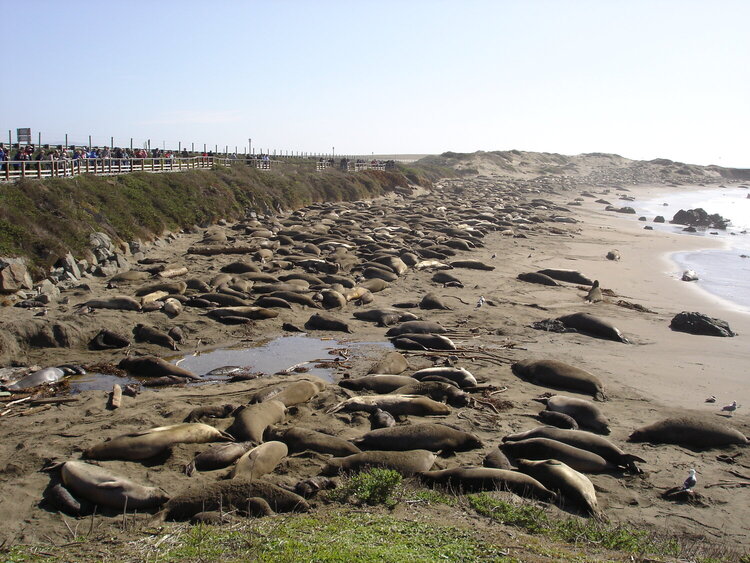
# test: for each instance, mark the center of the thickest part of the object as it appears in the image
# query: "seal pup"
(108, 340)
(217, 456)
(381, 419)
(559, 477)
(558, 419)
(585, 413)
(152, 335)
(406, 462)
(259, 461)
(595, 293)
(392, 363)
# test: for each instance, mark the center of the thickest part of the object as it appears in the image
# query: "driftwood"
(115, 397)
(173, 272)
(53, 401)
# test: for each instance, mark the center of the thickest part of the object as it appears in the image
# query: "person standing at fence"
(3, 158)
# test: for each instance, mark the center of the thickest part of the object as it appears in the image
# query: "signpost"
(23, 135)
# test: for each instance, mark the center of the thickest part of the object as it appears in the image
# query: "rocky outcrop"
(13, 276)
(698, 323)
(699, 218)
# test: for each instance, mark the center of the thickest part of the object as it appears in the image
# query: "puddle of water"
(274, 356)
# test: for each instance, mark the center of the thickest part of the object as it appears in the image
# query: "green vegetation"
(374, 486)
(45, 219)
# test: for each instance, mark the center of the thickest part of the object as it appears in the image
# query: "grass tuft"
(374, 486)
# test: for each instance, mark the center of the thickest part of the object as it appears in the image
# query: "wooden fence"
(15, 169)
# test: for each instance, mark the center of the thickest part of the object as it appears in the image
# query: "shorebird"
(729, 408)
(690, 482)
(481, 301)
(712, 398)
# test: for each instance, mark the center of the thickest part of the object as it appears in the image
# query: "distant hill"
(594, 168)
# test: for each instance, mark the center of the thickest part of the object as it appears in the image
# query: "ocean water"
(724, 272)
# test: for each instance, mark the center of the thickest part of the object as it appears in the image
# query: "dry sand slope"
(660, 373)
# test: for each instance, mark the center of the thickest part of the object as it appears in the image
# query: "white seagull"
(729, 408)
(690, 482)
(481, 301)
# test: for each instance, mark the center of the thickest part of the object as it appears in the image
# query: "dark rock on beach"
(698, 323)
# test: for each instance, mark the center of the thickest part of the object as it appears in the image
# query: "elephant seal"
(425, 436)
(268, 302)
(585, 413)
(45, 376)
(496, 459)
(570, 276)
(473, 479)
(215, 411)
(170, 288)
(121, 302)
(559, 375)
(381, 419)
(593, 326)
(152, 335)
(536, 277)
(415, 327)
(101, 487)
(259, 461)
(251, 421)
(410, 341)
(373, 272)
(231, 495)
(384, 317)
(374, 285)
(297, 298)
(217, 456)
(130, 276)
(302, 439)
(320, 321)
(331, 299)
(545, 448)
(397, 405)
(462, 377)
(406, 462)
(692, 431)
(445, 277)
(299, 392)
(146, 444)
(583, 440)
(575, 487)
(151, 366)
(595, 293)
(225, 300)
(437, 391)
(248, 312)
(558, 419)
(471, 265)
(433, 301)
(108, 340)
(393, 363)
(380, 383)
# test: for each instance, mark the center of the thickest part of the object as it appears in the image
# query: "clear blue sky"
(643, 79)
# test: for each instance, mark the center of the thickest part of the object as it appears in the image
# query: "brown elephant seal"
(574, 486)
(595, 293)
(462, 377)
(415, 327)
(321, 321)
(249, 312)
(585, 413)
(108, 340)
(130, 276)
(410, 341)
(380, 383)
(536, 277)
(153, 335)
(385, 317)
(583, 440)
(545, 448)
(437, 391)
(497, 460)
(170, 288)
(445, 277)
(433, 301)
(259, 461)
(692, 431)
(217, 456)
(122, 303)
(473, 479)
(425, 436)
(373, 273)
(559, 375)
(593, 326)
(394, 262)
(331, 299)
(268, 302)
(373, 285)
(299, 392)
(570, 276)
(303, 439)
(397, 405)
(393, 363)
(152, 442)
(231, 495)
(406, 462)
(151, 366)
(558, 419)
(103, 488)
(225, 299)
(250, 422)
(215, 411)
(381, 419)
(296, 298)
(472, 265)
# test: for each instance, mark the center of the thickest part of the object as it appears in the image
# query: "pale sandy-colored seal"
(575, 487)
(692, 431)
(595, 293)
(152, 442)
(299, 392)
(461, 376)
(472, 479)
(426, 436)
(101, 487)
(405, 462)
(437, 391)
(415, 327)
(559, 375)
(259, 461)
(251, 421)
(585, 413)
(392, 363)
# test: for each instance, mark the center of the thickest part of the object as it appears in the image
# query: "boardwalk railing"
(64, 168)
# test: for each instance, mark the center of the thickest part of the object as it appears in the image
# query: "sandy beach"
(660, 373)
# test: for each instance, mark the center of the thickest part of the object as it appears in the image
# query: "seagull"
(711, 399)
(690, 482)
(729, 408)
(481, 301)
